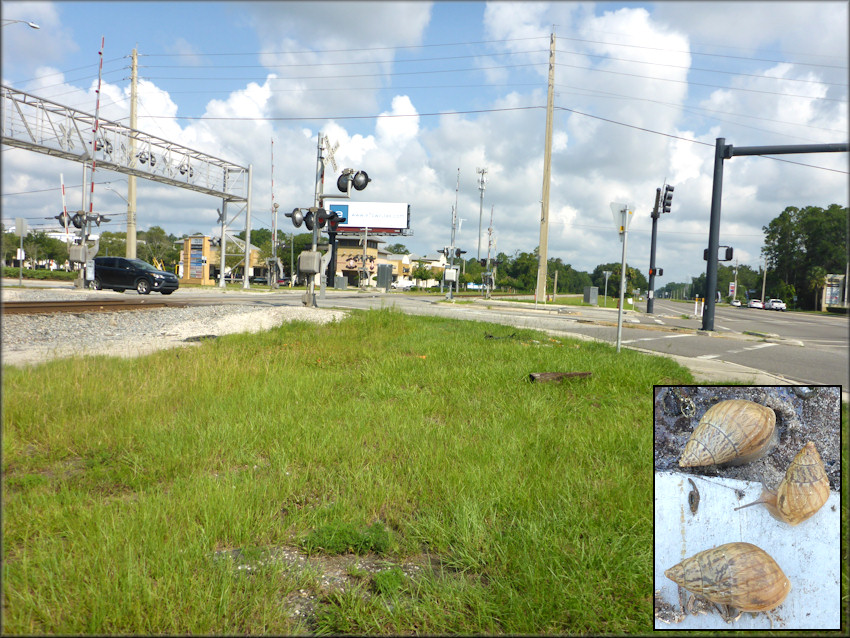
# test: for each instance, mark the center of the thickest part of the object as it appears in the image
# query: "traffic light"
(728, 253)
(358, 180)
(64, 219)
(296, 216)
(483, 263)
(315, 216)
(333, 222)
(656, 271)
(668, 199)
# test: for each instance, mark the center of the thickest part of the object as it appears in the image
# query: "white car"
(403, 284)
(775, 304)
(755, 303)
(735, 302)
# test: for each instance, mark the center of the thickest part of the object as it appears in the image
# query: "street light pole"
(31, 25)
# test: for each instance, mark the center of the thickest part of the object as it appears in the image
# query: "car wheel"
(143, 287)
(96, 285)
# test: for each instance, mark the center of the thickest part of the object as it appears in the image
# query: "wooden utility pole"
(131, 179)
(540, 293)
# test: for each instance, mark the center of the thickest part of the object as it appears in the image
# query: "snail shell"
(802, 492)
(737, 574)
(732, 432)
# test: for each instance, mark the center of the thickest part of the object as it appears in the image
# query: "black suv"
(119, 273)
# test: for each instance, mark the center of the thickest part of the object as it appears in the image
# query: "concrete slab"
(809, 553)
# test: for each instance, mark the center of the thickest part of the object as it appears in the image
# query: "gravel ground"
(31, 339)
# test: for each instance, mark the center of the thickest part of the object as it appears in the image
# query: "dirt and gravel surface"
(32, 339)
(802, 415)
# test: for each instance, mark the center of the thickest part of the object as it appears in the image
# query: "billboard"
(380, 218)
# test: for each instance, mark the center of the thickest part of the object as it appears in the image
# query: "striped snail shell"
(802, 492)
(735, 431)
(737, 574)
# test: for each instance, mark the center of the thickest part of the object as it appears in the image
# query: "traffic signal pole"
(650, 295)
(723, 151)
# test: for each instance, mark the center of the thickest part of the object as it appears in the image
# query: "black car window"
(106, 262)
(142, 265)
(123, 263)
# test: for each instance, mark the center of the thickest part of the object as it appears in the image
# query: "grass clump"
(388, 581)
(344, 538)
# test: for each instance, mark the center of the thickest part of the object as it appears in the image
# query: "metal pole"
(223, 245)
(607, 274)
(736, 279)
(721, 151)
(245, 285)
(622, 279)
(481, 184)
(650, 295)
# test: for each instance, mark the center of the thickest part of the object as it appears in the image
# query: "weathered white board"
(808, 553)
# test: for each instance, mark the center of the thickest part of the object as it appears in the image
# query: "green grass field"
(410, 454)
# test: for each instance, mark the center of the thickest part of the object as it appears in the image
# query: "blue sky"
(642, 92)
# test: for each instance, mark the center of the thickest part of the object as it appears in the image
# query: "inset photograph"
(747, 507)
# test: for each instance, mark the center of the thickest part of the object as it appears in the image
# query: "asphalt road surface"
(803, 348)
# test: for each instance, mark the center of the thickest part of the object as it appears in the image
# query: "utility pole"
(763, 281)
(482, 181)
(451, 254)
(547, 171)
(131, 179)
(273, 280)
(488, 275)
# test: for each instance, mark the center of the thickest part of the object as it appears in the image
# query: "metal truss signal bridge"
(40, 125)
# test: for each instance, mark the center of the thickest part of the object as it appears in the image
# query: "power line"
(713, 86)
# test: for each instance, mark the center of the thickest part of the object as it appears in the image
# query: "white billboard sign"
(379, 217)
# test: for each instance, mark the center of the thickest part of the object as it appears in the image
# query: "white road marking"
(708, 356)
(761, 345)
(654, 338)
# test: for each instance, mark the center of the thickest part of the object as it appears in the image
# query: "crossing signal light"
(459, 252)
(349, 177)
(64, 219)
(296, 216)
(656, 271)
(78, 219)
(483, 263)
(668, 199)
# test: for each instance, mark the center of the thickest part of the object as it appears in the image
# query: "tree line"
(802, 246)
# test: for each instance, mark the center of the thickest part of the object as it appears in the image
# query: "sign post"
(20, 231)
(622, 216)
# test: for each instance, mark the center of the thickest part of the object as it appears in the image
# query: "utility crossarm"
(37, 124)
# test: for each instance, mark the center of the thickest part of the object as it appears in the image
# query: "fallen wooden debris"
(544, 377)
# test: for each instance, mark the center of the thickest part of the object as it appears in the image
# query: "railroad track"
(97, 305)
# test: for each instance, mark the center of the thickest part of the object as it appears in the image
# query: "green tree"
(398, 249)
(113, 244)
(816, 280)
(158, 245)
(39, 247)
(800, 242)
(421, 272)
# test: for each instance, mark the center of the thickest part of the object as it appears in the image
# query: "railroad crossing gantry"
(43, 126)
